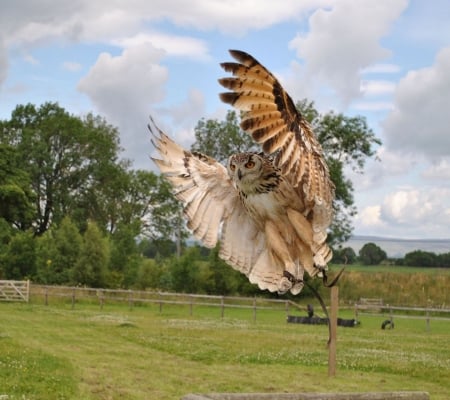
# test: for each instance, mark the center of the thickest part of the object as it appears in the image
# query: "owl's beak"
(239, 174)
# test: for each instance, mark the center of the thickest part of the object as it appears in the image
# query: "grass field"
(57, 353)
(402, 269)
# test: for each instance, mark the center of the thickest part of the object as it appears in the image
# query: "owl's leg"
(317, 252)
(278, 246)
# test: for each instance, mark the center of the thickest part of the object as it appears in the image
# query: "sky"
(385, 60)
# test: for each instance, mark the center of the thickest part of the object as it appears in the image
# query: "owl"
(269, 210)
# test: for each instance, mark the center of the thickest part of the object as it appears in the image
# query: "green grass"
(57, 353)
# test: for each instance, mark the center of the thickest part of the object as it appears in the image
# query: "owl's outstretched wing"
(213, 209)
(271, 118)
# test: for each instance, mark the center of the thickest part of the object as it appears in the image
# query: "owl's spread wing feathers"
(271, 118)
(212, 207)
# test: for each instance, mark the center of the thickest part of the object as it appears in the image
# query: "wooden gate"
(14, 291)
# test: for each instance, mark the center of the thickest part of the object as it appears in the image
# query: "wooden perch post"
(333, 331)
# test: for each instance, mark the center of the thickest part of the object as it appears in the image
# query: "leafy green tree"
(420, 258)
(157, 248)
(344, 255)
(125, 258)
(6, 233)
(16, 197)
(371, 254)
(443, 260)
(92, 266)
(150, 274)
(220, 139)
(20, 257)
(166, 218)
(62, 155)
(186, 272)
(226, 280)
(58, 251)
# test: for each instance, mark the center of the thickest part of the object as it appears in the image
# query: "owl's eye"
(249, 164)
(232, 167)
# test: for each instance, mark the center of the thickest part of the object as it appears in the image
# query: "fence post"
(130, 299)
(222, 307)
(102, 299)
(28, 291)
(46, 296)
(73, 298)
(333, 331)
(190, 304)
(428, 319)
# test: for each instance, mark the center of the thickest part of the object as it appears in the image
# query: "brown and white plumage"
(271, 211)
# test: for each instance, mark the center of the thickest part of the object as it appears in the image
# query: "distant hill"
(397, 248)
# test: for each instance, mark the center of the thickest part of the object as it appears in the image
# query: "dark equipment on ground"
(294, 319)
(389, 324)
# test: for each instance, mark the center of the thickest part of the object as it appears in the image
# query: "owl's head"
(245, 169)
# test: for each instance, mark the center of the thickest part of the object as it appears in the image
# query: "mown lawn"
(57, 353)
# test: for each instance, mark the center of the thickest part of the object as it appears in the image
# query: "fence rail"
(14, 290)
(376, 307)
(134, 297)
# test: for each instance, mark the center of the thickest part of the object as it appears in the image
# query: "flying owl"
(270, 210)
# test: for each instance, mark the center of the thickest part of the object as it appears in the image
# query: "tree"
(19, 260)
(63, 156)
(419, 258)
(92, 266)
(16, 197)
(166, 217)
(124, 260)
(58, 251)
(344, 255)
(220, 139)
(346, 141)
(371, 254)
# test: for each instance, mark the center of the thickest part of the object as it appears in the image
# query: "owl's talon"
(295, 285)
(284, 285)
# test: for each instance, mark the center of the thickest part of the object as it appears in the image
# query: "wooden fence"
(376, 307)
(14, 290)
(73, 295)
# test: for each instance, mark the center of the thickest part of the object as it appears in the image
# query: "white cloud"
(420, 120)
(387, 166)
(408, 213)
(366, 105)
(381, 68)
(344, 40)
(4, 64)
(71, 66)
(409, 207)
(236, 17)
(30, 24)
(370, 217)
(376, 87)
(124, 88)
(438, 170)
(171, 44)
